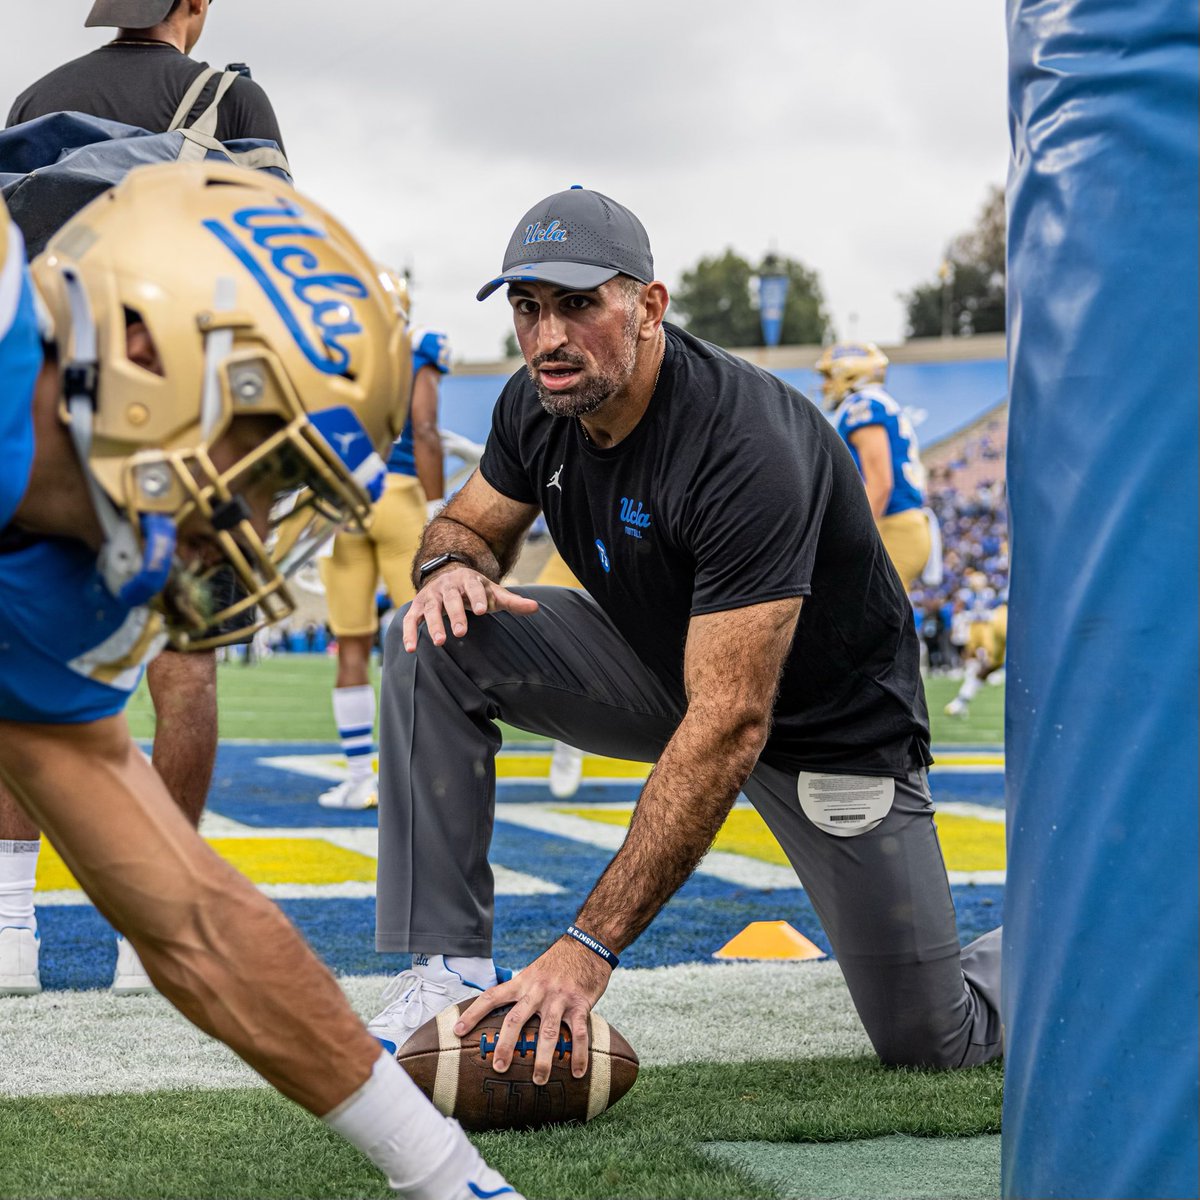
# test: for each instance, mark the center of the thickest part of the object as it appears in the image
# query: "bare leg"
(184, 690)
(219, 950)
(354, 658)
(15, 825)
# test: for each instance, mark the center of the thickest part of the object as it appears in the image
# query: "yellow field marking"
(537, 766)
(967, 844)
(264, 860)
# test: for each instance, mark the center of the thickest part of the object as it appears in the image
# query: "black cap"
(575, 239)
(128, 14)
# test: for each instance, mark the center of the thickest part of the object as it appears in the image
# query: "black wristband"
(597, 948)
(435, 564)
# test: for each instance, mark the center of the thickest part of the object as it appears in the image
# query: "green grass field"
(253, 1143)
(286, 698)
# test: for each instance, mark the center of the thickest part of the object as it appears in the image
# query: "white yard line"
(64, 1043)
(731, 868)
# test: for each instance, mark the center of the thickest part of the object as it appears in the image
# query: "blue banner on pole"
(772, 298)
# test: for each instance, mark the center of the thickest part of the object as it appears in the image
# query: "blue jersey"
(20, 362)
(429, 349)
(69, 650)
(873, 406)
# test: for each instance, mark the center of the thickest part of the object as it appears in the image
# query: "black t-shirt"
(142, 84)
(732, 490)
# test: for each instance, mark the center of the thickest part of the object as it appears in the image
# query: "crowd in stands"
(967, 493)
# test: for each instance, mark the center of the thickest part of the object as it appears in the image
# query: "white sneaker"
(19, 961)
(463, 1176)
(130, 978)
(414, 997)
(566, 770)
(357, 794)
(956, 708)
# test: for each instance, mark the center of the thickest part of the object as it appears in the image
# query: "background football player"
(985, 615)
(351, 573)
(884, 445)
(217, 343)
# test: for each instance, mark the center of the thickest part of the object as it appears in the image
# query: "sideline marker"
(770, 940)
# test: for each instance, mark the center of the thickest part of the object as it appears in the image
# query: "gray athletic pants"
(566, 673)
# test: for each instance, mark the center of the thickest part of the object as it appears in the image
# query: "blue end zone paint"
(245, 790)
(78, 950)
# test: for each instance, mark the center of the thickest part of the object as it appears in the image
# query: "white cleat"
(413, 998)
(463, 1176)
(19, 962)
(360, 794)
(957, 707)
(130, 978)
(566, 771)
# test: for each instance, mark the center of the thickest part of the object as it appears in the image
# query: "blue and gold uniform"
(351, 573)
(904, 525)
(70, 651)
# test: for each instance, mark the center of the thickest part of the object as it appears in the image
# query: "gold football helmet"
(258, 305)
(847, 366)
(396, 286)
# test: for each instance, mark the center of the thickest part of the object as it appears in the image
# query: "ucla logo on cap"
(274, 243)
(537, 232)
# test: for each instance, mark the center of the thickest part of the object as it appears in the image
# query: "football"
(457, 1074)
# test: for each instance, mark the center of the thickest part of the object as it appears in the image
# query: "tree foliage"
(717, 300)
(975, 283)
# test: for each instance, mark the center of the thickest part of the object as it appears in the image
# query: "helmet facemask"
(274, 367)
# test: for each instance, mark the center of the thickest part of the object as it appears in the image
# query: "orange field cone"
(770, 940)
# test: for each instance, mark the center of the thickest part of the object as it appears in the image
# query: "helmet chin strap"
(134, 569)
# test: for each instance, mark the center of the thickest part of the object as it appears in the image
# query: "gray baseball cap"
(575, 239)
(128, 14)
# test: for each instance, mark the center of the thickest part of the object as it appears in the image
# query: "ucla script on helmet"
(458, 1076)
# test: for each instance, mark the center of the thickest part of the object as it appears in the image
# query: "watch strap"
(438, 561)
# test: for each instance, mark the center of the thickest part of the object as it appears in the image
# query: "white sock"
(354, 712)
(18, 875)
(478, 972)
(970, 683)
(393, 1124)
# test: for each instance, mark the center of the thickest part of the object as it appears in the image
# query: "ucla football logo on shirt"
(275, 244)
(634, 517)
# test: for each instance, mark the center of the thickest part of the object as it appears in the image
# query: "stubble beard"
(589, 395)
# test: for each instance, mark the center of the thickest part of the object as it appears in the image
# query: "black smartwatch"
(432, 564)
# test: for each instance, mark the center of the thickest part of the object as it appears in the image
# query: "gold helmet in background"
(847, 366)
(257, 304)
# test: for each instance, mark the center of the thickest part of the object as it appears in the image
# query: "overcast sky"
(855, 135)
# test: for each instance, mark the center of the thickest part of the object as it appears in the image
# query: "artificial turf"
(252, 1143)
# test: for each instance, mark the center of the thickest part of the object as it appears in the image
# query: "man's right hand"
(449, 594)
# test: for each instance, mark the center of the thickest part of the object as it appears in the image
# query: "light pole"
(773, 282)
(946, 275)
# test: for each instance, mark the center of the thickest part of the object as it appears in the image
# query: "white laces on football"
(403, 998)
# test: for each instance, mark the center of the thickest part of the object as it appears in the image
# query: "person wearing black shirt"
(141, 79)
(743, 629)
